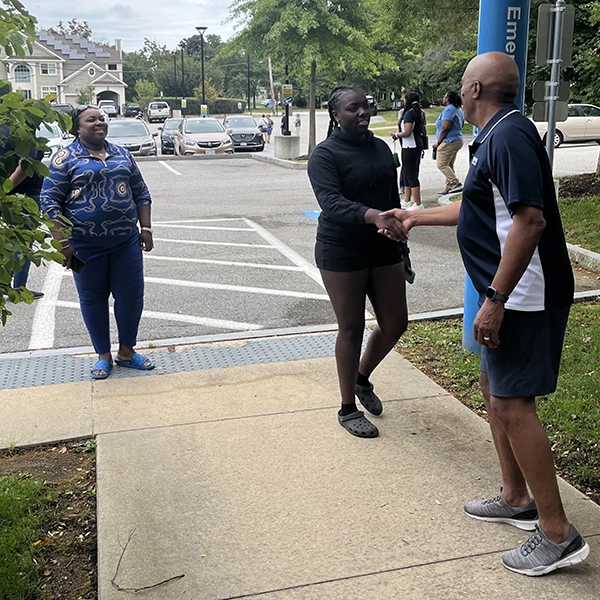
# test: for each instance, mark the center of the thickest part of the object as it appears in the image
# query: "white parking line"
(199, 221)
(225, 263)
(44, 319)
(169, 167)
(202, 243)
(235, 288)
(193, 320)
(298, 260)
(201, 227)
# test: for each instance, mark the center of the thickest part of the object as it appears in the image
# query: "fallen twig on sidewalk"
(139, 589)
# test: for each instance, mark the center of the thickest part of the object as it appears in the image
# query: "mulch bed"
(580, 186)
(69, 541)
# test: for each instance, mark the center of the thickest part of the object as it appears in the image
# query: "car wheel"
(558, 138)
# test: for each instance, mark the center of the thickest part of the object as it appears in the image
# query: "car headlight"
(189, 142)
(147, 144)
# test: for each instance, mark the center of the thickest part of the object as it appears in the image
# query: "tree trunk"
(312, 127)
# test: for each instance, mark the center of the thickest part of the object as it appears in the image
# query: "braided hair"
(76, 117)
(332, 103)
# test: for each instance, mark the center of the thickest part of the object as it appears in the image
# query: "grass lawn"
(571, 415)
(391, 122)
(25, 506)
(48, 522)
(581, 219)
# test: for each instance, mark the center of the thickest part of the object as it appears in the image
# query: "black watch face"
(490, 293)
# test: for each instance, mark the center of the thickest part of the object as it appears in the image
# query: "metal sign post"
(555, 63)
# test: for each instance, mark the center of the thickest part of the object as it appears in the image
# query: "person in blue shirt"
(449, 141)
(99, 188)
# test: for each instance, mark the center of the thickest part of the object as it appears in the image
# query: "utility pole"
(249, 107)
(271, 84)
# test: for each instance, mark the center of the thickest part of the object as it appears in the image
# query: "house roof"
(75, 47)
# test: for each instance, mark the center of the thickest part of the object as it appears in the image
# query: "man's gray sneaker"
(369, 399)
(497, 510)
(540, 555)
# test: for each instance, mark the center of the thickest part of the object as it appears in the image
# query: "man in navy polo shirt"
(513, 247)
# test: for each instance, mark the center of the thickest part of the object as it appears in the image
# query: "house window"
(22, 74)
(48, 68)
(112, 67)
(49, 89)
(91, 71)
(26, 94)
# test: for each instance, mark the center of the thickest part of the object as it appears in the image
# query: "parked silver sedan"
(582, 125)
(132, 134)
(201, 135)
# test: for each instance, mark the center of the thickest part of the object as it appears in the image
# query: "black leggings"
(411, 161)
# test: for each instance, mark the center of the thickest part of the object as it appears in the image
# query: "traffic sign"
(287, 89)
(540, 111)
(544, 90)
(289, 100)
(545, 35)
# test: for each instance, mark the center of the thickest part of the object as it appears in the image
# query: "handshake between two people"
(394, 224)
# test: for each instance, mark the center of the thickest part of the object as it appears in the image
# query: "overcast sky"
(164, 21)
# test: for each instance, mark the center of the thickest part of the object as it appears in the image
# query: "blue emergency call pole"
(503, 27)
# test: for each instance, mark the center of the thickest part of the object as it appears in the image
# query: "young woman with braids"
(353, 176)
(411, 127)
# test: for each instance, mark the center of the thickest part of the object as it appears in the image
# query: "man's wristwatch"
(495, 295)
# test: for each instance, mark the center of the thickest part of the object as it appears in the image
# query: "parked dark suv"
(372, 105)
(133, 110)
(66, 108)
(244, 132)
(166, 135)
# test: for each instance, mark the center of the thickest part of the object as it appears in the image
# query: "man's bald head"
(498, 74)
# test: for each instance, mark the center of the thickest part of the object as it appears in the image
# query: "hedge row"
(220, 106)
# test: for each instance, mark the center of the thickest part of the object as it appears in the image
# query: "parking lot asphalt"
(234, 251)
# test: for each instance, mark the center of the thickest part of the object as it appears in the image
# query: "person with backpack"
(414, 142)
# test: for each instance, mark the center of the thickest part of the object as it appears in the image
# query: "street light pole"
(201, 31)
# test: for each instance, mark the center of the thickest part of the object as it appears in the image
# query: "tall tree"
(145, 92)
(306, 35)
(76, 27)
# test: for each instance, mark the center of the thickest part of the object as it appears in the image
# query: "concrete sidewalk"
(240, 479)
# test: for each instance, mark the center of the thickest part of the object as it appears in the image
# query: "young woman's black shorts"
(411, 162)
(376, 251)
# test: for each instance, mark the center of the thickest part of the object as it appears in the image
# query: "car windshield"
(120, 129)
(240, 122)
(203, 126)
(49, 131)
(158, 106)
(171, 124)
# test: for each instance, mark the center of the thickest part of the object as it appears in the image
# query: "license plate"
(210, 152)
(243, 144)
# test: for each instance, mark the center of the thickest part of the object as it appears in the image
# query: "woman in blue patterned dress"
(98, 187)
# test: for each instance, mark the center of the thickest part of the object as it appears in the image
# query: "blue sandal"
(136, 362)
(101, 365)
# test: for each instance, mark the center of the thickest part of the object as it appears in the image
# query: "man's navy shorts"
(528, 359)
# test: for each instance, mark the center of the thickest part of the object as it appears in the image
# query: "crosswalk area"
(204, 276)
